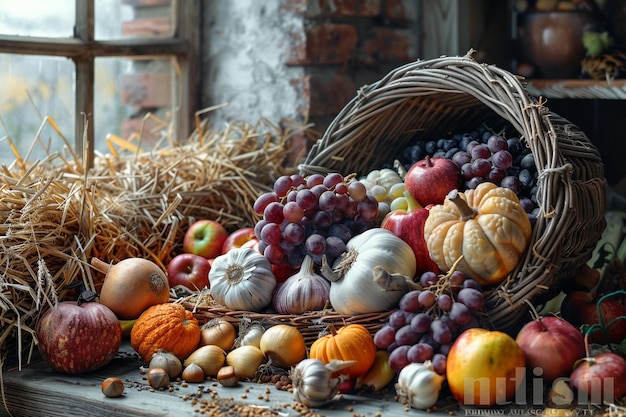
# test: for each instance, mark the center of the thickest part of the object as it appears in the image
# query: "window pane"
(115, 19)
(32, 88)
(127, 91)
(53, 18)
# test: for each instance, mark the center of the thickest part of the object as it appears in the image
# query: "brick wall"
(346, 44)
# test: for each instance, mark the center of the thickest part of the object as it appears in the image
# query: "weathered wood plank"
(37, 390)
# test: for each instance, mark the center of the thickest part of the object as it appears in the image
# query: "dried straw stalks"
(54, 217)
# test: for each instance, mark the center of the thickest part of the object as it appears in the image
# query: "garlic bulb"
(303, 291)
(313, 384)
(419, 385)
(242, 279)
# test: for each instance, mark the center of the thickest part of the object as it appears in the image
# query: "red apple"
(78, 337)
(237, 238)
(409, 226)
(431, 179)
(581, 307)
(189, 270)
(252, 244)
(205, 238)
(551, 344)
(593, 379)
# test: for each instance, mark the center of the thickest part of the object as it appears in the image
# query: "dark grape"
(471, 283)
(502, 159)
(439, 363)
(293, 212)
(273, 212)
(444, 302)
(409, 302)
(306, 199)
(335, 247)
(384, 337)
(332, 179)
(315, 244)
(421, 322)
(428, 278)
(427, 298)
(263, 200)
(497, 143)
(282, 185)
(512, 183)
(420, 353)
(461, 157)
(398, 359)
(406, 336)
(472, 298)
(397, 319)
(480, 167)
(440, 331)
(480, 151)
(528, 162)
(460, 313)
(271, 234)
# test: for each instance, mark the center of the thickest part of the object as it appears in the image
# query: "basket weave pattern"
(430, 99)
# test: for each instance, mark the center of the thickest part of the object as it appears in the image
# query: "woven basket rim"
(572, 191)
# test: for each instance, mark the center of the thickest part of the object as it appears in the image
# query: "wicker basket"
(428, 100)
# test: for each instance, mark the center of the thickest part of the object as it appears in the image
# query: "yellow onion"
(218, 332)
(283, 345)
(246, 360)
(209, 357)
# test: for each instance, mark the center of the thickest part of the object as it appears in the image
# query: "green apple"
(205, 238)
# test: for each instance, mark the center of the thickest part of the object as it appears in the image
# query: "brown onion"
(218, 332)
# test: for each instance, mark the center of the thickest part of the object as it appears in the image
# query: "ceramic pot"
(552, 41)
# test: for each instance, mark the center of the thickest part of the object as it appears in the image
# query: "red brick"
(324, 44)
(155, 26)
(390, 45)
(400, 11)
(147, 90)
(329, 96)
(344, 8)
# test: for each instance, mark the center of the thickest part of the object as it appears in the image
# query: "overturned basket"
(426, 100)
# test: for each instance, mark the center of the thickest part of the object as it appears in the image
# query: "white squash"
(375, 272)
(242, 279)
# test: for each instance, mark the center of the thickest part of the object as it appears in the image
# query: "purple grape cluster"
(314, 215)
(485, 156)
(429, 319)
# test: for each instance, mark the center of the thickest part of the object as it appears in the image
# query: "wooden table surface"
(37, 390)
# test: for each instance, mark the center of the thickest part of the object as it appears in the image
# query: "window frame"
(83, 49)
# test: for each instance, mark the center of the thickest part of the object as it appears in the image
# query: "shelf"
(577, 89)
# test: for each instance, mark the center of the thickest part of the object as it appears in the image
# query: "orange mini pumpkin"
(169, 327)
(352, 342)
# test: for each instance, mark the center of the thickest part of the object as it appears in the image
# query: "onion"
(283, 345)
(209, 357)
(246, 360)
(218, 332)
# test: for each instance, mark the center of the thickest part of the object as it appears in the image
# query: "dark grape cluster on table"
(314, 216)
(429, 319)
(483, 155)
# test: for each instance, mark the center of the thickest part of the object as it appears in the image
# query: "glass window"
(119, 86)
(48, 18)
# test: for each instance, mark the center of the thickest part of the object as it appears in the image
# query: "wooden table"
(37, 390)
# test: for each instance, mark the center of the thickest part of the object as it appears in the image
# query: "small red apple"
(409, 226)
(237, 238)
(431, 179)
(205, 238)
(601, 378)
(189, 270)
(551, 344)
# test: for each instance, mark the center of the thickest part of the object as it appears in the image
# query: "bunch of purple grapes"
(485, 156)
(429, 319)
(315, 215)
